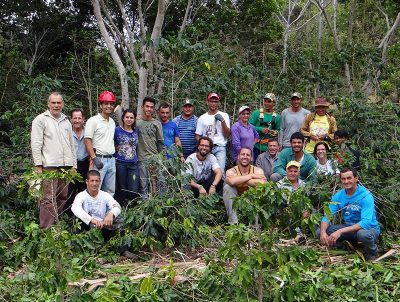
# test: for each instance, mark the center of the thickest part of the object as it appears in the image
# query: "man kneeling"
(98, 209)
(239, 179)
(358, 209)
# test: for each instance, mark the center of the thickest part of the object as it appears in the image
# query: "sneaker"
(129, 255)
(370, 257)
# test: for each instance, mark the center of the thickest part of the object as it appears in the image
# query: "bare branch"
(185, 18)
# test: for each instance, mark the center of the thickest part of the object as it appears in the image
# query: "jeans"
(206, 185)
(127, 181)
(75, 188)
(229, 194)
(107, 174)
(368, 238)
(151, 179)
(220, 153)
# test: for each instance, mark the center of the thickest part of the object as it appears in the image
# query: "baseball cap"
(270, 96)
(243, 108)
(296, 95)
(188, 102)
(293, 163)
(213, 95)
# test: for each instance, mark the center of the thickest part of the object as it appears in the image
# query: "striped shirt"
(187, 135)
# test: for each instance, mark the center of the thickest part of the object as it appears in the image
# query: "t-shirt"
(285, 183)
(319, 126)
(187, 129)
(201, 170)
(170, 131)
(126, 145)
(290, 123)
(150, 133)
(101, 131)
(208, 126)
(330, 168)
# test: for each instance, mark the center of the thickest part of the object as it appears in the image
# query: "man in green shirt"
(267, 123)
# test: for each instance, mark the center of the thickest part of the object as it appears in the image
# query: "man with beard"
(204, 168)
(239, 179)
(187, 123)
(306, 161)
(267, 160)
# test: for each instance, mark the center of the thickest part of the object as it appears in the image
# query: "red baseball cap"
(213, 95)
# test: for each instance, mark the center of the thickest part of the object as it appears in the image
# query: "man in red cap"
(99, 142)
(215, 124)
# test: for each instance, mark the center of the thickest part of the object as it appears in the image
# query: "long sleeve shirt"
(242, 136)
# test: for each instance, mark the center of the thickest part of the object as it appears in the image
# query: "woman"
(324, 165)
(243, 134)
(126, 140)
(318, 125)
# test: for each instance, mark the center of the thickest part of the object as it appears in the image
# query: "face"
(297, 145)
(164, 114)
(77, 120)
(107, 107)
(273, 148)
(244, 157)
(128, 119)
(188, 110)
(148, 109)
(339, 140)
(292, 173)
(244, 116)
(204, 147)
(93, 183)
(55, 104)
(321, 152)
(295, 102)
(269, 104)
(348, 180)
(320, 110)
(213, 104)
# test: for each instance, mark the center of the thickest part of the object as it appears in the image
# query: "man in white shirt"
(215, 124)
(98, 209)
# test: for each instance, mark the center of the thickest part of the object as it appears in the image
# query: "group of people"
(290, 148)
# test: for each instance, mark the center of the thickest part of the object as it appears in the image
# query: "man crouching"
(98, 209)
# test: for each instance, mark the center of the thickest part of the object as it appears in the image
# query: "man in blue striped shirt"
(187, 123)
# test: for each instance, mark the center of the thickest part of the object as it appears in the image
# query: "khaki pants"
(55, 193)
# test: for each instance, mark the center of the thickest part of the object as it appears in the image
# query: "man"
(307, 161)
(187, 123)
(267, 160)
(243, 134)
(291, 181)
(345, 150)
(239, 179)
(78, 120)
(267, 123)
(291, 120)
(52, 147)
(170, 131)
(151, 142)
(357, 206)
(98, 209)
(204, 169)
(215, 124)
(99, 141)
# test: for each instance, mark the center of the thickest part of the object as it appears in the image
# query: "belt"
(104, 156)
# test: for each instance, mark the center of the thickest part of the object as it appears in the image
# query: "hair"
(92, 173)
(76, 110)
(55, 93)
(164, 106)
(205, 138)
(341, 134)
(247, 148)
(348, 169)
(273, 139)
(150, 100)
(134, 115)
(318, 144)
(297, 135)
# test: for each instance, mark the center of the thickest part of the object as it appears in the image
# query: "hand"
(333, 237)
(38, 169)
(323, 239)
(202, 191)
(273, 133)
(212, 190)
(98, 163)
(96, 223)
(265, 130)
(108, 221)
(306, 214)
(314, 137)
(182, 158)
(219, 117)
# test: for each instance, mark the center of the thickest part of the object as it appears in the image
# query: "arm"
(255, 121)
(89, 147)
(332, 127)
(78, 210)
(195, 185)
(305, 127)
(72, 144)
(251, 179)
(160, 138)
(235, 140)
(281, 163)
(37, 143)
(115, 210)
(331, 240)
(282, 129)
(225, 129)
(257, 178)
(217, 179)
